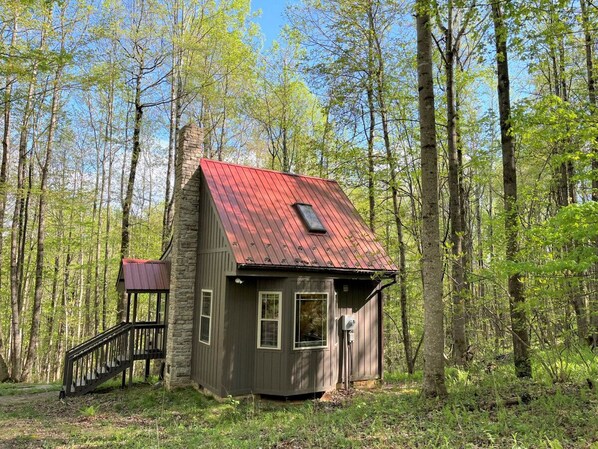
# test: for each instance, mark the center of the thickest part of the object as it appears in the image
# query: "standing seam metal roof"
(256, 208)
(141, 275)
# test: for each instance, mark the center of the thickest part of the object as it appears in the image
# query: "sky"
(272, 18)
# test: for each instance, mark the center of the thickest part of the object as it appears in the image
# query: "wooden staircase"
(108, 354)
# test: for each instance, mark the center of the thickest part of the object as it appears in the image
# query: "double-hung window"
(268, 330)
(311, 320)
(205, 316)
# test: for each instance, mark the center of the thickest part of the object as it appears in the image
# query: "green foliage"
(483, 410)
(89, 411)
(564, 242)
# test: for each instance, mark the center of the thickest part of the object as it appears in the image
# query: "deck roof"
(259, 215)
(140, 275)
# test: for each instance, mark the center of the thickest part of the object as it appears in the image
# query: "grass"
(10, 389)
(483, 410)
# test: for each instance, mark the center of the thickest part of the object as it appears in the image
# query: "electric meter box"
(348, 323)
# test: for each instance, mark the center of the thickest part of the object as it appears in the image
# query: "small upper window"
(205, 316)
(309, 217)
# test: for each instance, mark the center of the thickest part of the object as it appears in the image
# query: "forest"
(465, 132)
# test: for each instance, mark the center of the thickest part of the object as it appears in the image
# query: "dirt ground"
(38, 419)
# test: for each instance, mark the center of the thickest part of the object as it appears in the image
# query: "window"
(311, 320)
(309, 217)
(268, 323)
(205, 316)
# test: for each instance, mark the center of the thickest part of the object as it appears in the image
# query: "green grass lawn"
(483, 410)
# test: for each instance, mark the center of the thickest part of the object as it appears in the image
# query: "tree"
(144, 60)
(457, 220)
(342, 52)
(285, 108)
(42, 205)
(378, 19)
(589, 43)
(519, 324)
(431, 256)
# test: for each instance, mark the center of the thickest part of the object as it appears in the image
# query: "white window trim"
(211, 292)
(295, 348)
(259, 319)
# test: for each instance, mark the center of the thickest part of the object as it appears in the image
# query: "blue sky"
(272, 18)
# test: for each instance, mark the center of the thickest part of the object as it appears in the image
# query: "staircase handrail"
(108, 334)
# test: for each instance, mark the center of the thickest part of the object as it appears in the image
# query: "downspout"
(379, 288)
(378, 292)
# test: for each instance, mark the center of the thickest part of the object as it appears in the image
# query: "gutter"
(337, 270)
(379, 288)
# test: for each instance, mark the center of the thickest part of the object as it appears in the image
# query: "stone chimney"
(183, 257)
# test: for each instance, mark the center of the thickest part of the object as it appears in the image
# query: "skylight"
(309, 217)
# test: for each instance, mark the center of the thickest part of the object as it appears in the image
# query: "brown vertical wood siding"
(365, 346)
(289, 371)
(240, 337)
(214, 261)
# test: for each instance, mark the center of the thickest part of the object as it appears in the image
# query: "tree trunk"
(455, 201)
(566, 194)
(91, 312)
(589, 45)
(167, 216)
(379, 78)
(98, 245)
(431, 256)
(175, 104)
(128, 200)
(7, 100)
(18, 227)
(519, 322)
(108, 149)
(50, 321)
(371, 132)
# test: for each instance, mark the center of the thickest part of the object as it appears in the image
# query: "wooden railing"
(149, 341)
(102, 357)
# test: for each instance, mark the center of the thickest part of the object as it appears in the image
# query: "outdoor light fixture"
(238, 281)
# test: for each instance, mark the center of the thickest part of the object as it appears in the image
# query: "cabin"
(275, 283)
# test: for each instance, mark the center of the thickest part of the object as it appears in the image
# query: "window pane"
(311, 320)
(204, 329)
(206, 303)
(270, 306)
(269, 336)
(269, 314)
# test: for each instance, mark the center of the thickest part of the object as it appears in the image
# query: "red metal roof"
(263, 227)
(140, 275)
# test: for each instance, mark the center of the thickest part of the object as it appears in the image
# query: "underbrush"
(486, 407)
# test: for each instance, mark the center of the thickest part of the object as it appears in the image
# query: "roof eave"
(384, 273)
